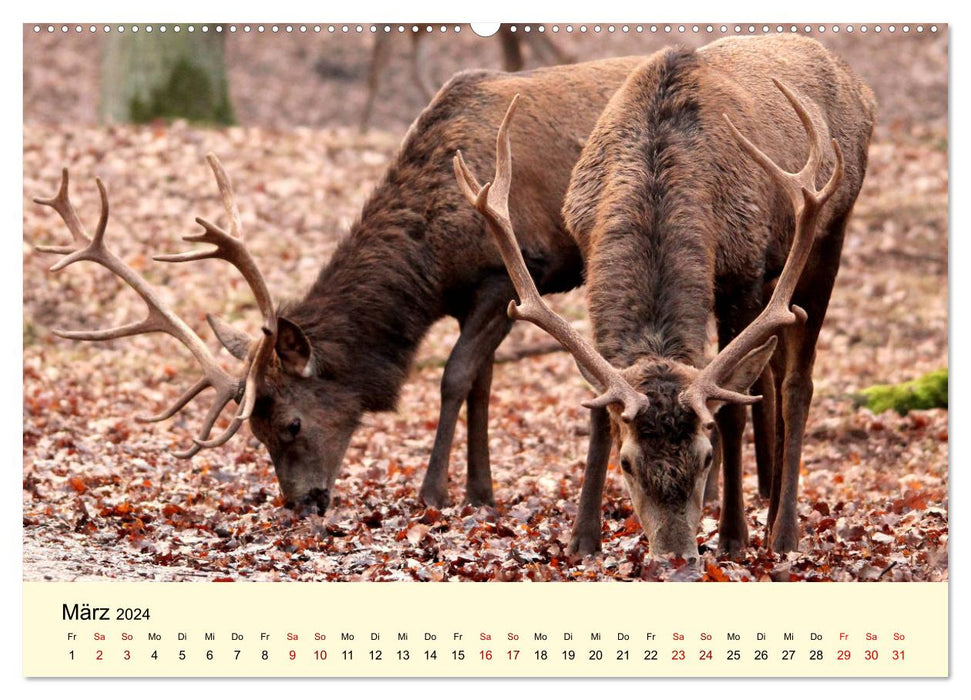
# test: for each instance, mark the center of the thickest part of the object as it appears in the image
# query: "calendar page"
(358, 350)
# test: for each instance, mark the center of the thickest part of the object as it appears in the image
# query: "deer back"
(560, 105)
(665, 206)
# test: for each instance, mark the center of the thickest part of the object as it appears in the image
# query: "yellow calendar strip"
(485, 629)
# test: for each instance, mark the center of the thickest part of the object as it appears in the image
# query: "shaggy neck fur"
(650, 274)
(371, 305)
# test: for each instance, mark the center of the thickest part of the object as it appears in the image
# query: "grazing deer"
(546, 50)
(416, 254)
(675, 218)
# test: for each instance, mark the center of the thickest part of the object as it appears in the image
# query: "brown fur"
(419, 252)
(674, 220)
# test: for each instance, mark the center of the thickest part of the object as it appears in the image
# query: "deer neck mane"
(657, 307)
(372, 304)
(651, 260)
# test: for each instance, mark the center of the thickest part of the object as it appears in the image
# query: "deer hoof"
(731, 547)
(478, 499)
(784, 539)
(436, 498)
(584, 545)
(732, 544)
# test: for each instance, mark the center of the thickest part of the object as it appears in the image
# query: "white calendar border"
(831, 11)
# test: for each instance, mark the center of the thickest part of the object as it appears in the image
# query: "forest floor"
(103, 497)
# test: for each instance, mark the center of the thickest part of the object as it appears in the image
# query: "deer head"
(662, 410)
(278, 388)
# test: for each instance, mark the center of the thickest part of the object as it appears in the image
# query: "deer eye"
(625, 465)
(294, 427)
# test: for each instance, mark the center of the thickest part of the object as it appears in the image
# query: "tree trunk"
(175, 75)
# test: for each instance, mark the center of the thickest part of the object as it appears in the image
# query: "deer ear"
(750, 367)
(235, 341)
(293, 348)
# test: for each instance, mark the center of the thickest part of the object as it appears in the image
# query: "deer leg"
(585, 538)
(732, 530)
(763, 427)
(797, 388)
(795, 396)
(482, 330)
(711, 485)
(733, 314)
(478, 485)
(797, 392)
(379, 61)
(764, 419)
(778, 365)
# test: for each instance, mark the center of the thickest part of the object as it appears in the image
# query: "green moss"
(929, 391)
(188, 93)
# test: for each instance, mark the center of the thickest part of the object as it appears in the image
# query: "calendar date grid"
(342, 630)
(591, 650)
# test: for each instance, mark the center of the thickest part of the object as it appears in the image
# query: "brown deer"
(417, 253)
(675, 218)
(511, 40)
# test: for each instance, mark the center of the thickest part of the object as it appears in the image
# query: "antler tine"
(61, 203)
(179, 404)
(210, 420)
(88, 248)
(246, 400)
(242, 415)
(225, 186)
(228, 246)
(796, 185)
(807, 202)
(160, 319)
(492, 201)
(257, 357)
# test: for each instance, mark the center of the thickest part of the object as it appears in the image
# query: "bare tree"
(512, 39)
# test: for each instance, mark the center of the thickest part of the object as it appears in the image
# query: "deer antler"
(492, 201)
(161, 318)
(807, 202)
(229, 246)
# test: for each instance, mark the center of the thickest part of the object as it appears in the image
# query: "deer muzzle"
(677, 543)
(314, 502)
(671, 529)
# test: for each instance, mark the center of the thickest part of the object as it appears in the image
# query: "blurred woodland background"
(103, 497)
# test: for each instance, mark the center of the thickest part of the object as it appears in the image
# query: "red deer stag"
(416, 254)
(675, 218)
